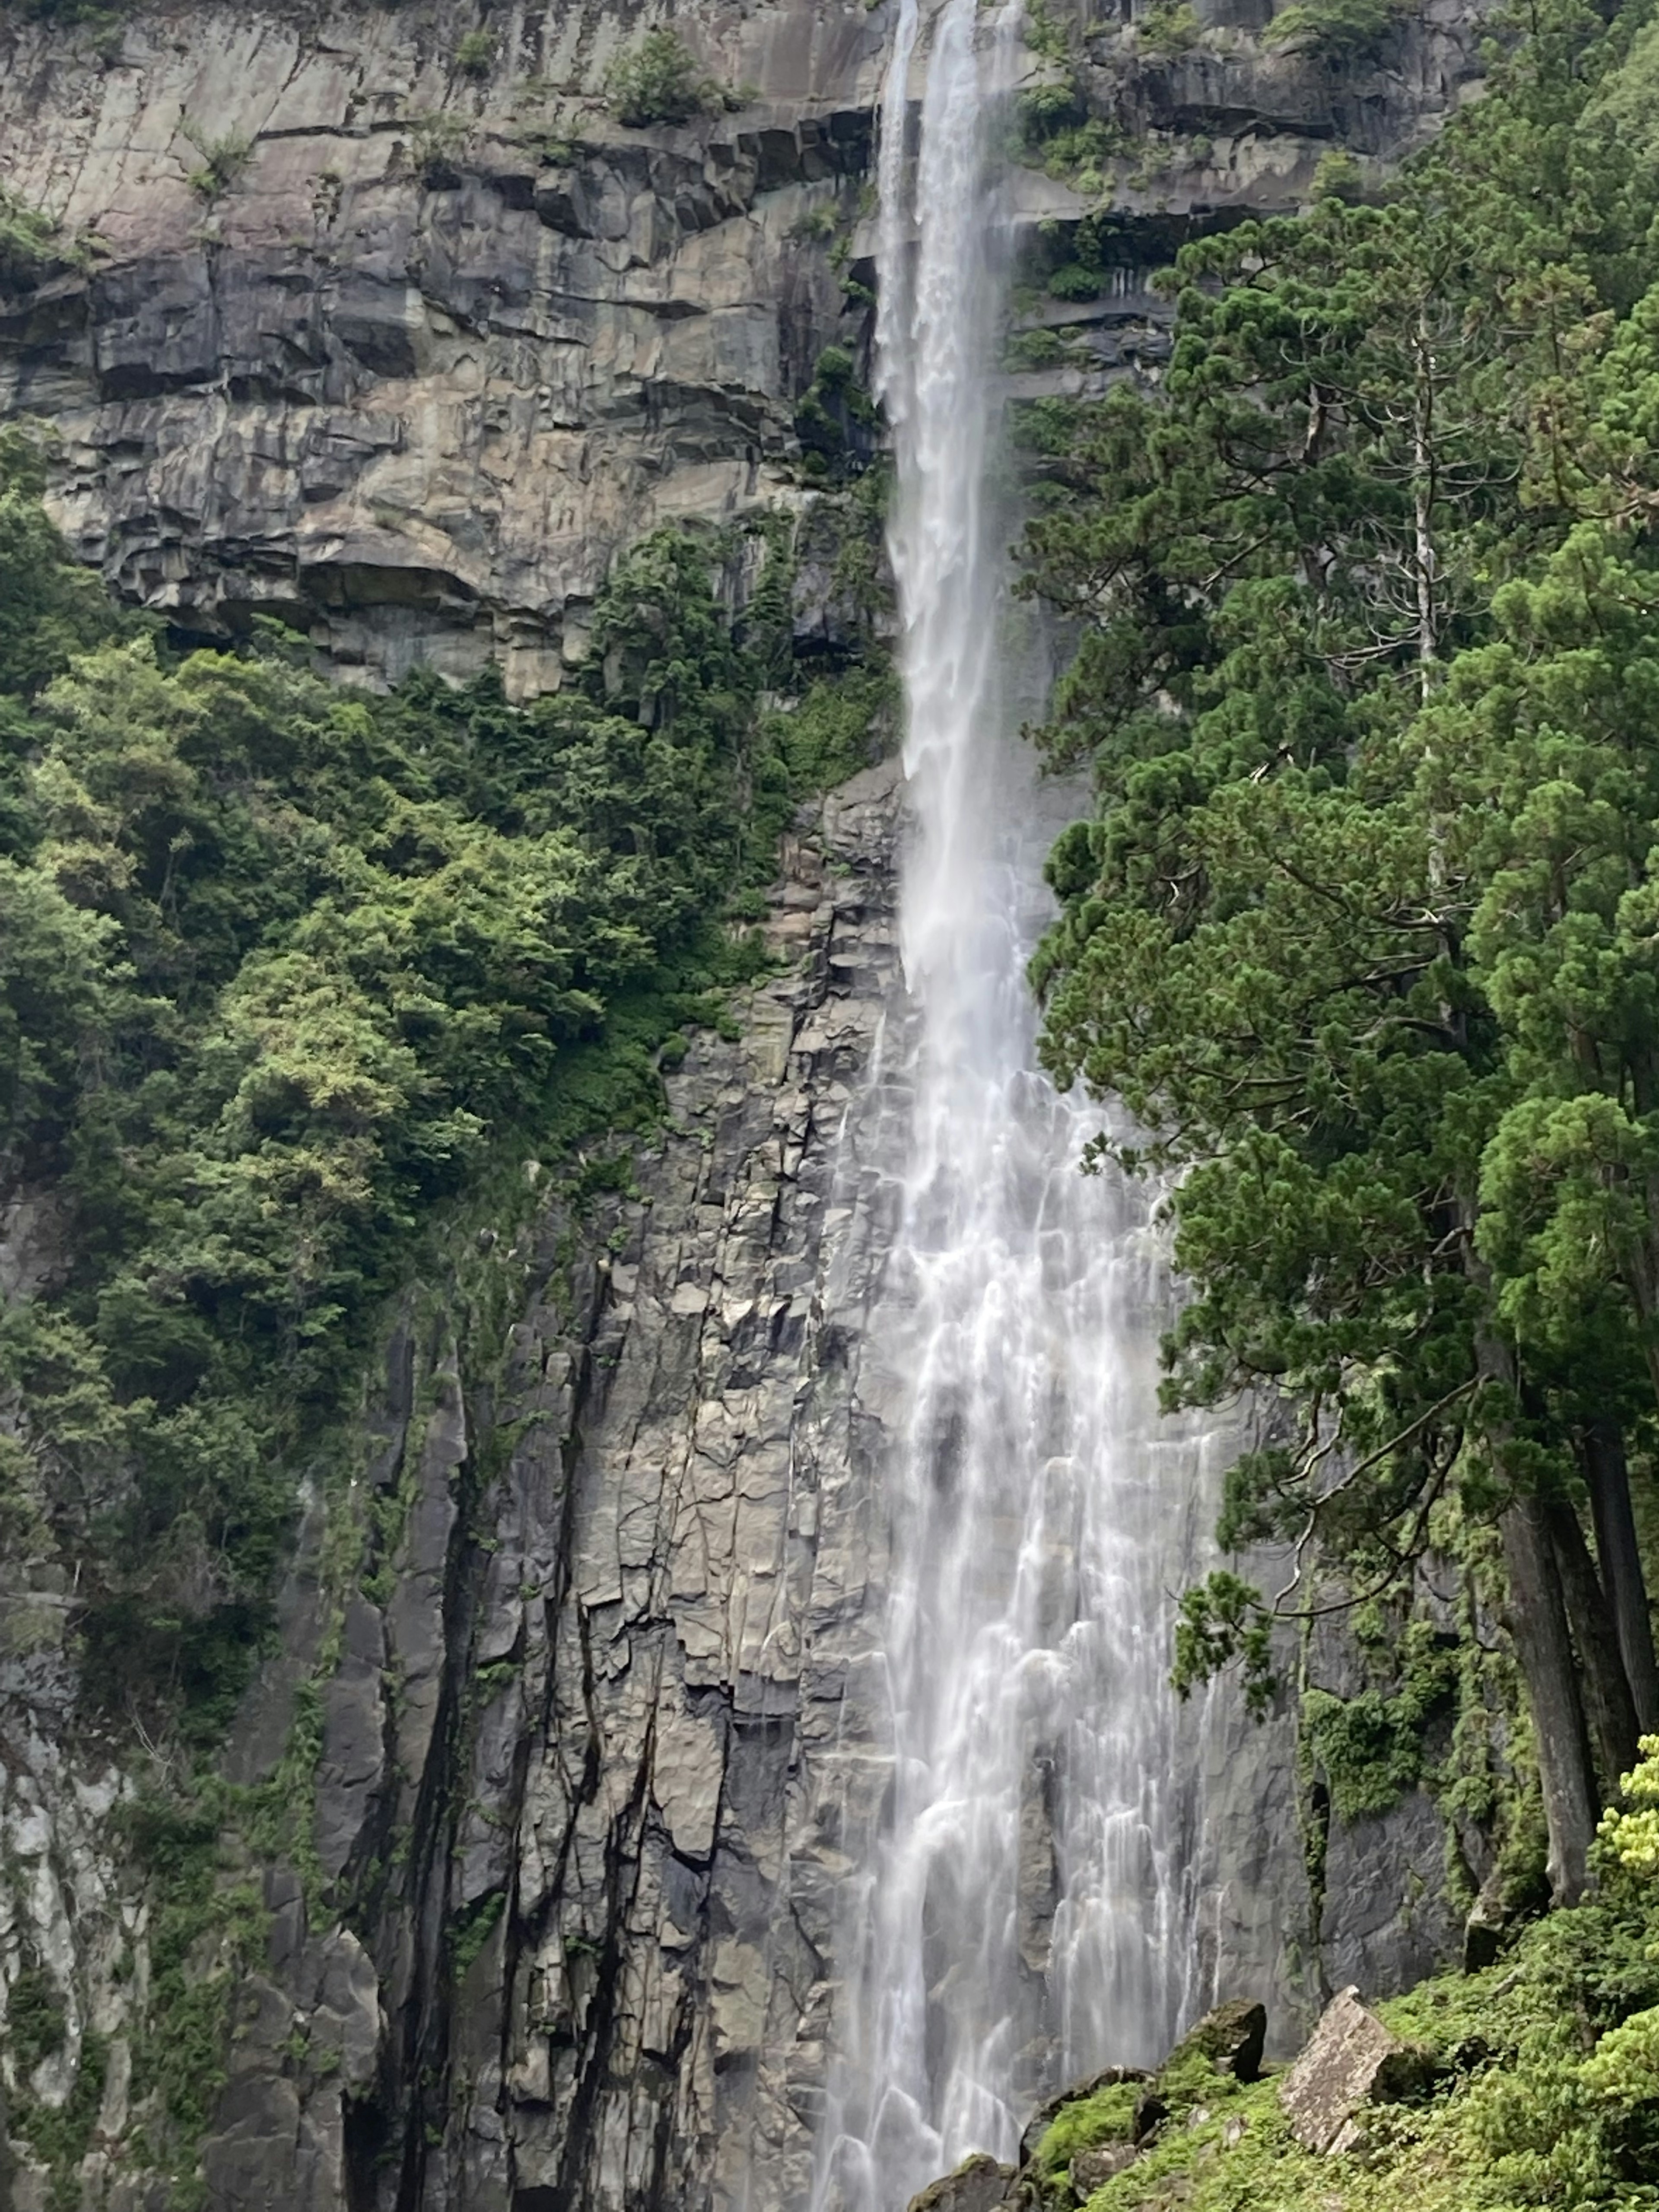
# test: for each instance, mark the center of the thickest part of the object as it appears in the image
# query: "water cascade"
(1019, 1915)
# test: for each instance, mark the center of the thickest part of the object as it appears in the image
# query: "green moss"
(1107, 2116)
(1370, 1747)
(1519, 2114)
(472, 1931)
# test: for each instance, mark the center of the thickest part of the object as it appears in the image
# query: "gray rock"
(1352, 2060)
(1092, 2169)
(978, 2185)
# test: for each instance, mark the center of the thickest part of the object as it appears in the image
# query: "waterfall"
(1019, 1916)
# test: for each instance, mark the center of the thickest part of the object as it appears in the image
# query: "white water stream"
(1020, 1916)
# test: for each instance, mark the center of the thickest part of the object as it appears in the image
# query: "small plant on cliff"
(1168, 29)
(475, 53)
(28, 239)
(657, 81)
(434, 143)
(223, 159)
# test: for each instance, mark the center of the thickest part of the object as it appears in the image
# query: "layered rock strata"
(397, 336)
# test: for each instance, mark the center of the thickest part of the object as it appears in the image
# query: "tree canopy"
(285, 972)
(1363, 929)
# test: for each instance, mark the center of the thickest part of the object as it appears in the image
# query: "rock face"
(606, 1706)
(398, 342)
(436, 347)
(978, 2185)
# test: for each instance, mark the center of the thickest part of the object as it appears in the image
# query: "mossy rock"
(978, 2185)
(1232, 2038)
(1110, 2077)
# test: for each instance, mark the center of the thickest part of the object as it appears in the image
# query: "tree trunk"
(1608, 1706)
(1538, 1629)
(1607, 1477)
(1538, 1626)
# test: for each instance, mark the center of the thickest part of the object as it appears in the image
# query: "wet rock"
(1092, 2169)
(1232, 2037)
(978, 2183)
(1351, 2062)
(1150, 2112)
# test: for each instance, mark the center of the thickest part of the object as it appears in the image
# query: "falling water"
(1018, 1915)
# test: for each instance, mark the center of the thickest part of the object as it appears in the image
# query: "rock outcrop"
(397, 339)
(583, 1774)
(1351, 2060)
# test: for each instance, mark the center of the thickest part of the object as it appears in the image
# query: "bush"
(28, 238)
(657, 80)
(1071, 281)
(1037, 349)
(1168, 29)
(475, 53)
(1334, 32)
(223, 160)
(1046, 109)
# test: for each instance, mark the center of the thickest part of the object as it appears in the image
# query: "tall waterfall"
(1018, 1920)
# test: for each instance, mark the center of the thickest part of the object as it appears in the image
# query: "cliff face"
(583, 1774)
(578, 1684)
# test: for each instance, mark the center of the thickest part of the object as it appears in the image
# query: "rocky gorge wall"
(576, 1694)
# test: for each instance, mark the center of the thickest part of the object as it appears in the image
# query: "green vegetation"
(1338, 32)
(657, 80)
(835, 417)
(223, 160)
(475, 53)
(1169, 28)
(1540, 2083)
(1106, 2115)
(29, 241)
(286, 975)
(1363, 930)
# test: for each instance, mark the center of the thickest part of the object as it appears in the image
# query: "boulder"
(1232, 2037)
(978, 2183)
(1092, 2169)
(1351, 2062)
(1037, 2125)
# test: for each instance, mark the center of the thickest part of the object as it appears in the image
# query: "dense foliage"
(1362, 932)
(284, 972)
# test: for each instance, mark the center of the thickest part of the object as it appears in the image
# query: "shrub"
(1037, 349)
(26, 239)
(1168, 29)
(475, 53)
(1338, 33)
(223, 160)
(1045, 110)
(657, 80)
(1071, 281)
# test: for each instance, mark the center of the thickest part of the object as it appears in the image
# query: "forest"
(1363, 932)
(289, 976)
